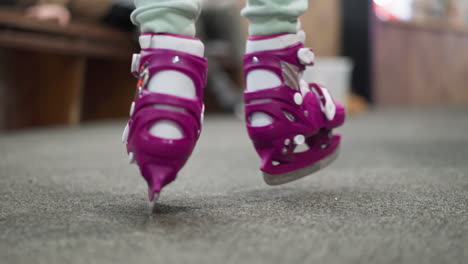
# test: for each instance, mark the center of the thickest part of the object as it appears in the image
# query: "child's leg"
(289, 121)
(166, 115)
(167, 16)
(269, 17)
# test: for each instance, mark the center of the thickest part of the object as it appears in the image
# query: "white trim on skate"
(135, 64)
(125, 134)
(191, 46)
(280, 42)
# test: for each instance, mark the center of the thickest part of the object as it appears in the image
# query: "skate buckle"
(327, 105)
(306, 56)
(143, 77)
(329, 108)
(136, 65)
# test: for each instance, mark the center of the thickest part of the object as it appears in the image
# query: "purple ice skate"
(160, 159)
(298, 139)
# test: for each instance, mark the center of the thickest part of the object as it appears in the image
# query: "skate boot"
(289, 121)
(165, 120)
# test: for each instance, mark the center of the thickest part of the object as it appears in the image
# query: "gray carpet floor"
(397, 194)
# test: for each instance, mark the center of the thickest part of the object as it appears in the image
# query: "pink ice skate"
(160, 159)
(291, 123)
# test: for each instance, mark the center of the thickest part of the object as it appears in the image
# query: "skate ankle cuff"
(181, 43)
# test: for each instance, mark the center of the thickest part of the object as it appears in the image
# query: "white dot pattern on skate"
(299, 139)
(298, 99)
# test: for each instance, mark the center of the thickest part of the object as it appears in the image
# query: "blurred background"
(381, 53)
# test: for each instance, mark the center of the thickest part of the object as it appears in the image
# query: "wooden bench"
(51, 74)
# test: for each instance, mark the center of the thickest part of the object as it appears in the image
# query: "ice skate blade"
(278, 179)
(153, 204)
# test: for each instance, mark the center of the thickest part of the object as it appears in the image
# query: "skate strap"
(282, 93)
(279, 110)
(152, 61)
(146, 117)
(274, 60)
(296, 55)
(150, 99)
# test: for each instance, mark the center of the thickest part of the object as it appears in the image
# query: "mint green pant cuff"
(167, 16)
(274, 16)
(178, 16)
